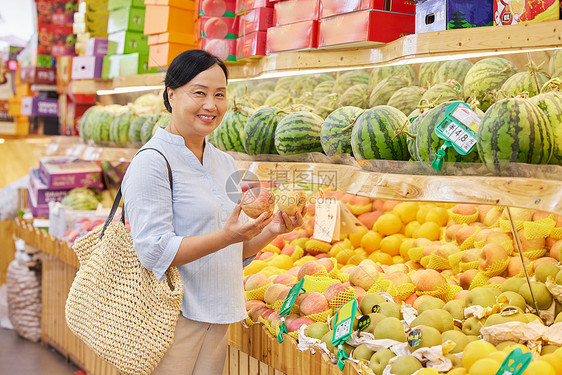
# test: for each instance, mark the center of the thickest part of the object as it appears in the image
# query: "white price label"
(466, 116)
(327, 220)
(468, 144)
(342, 330)
(450, 129)
(458, 134)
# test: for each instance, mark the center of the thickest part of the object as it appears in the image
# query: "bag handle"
(118, 196)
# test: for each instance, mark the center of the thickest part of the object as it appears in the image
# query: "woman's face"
(199, 106)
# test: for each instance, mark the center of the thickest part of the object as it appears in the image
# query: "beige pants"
(197, 349)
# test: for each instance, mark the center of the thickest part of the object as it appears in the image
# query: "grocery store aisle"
(22, 357)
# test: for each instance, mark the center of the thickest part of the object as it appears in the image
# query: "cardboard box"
(183, 4)
(56, 12)
(253, 44)
(219, 28)
(243, 6)
(44, 125)
(364, 28)
(161, 19)
(216, 8)
(116, 4)
(67, 173)
(224, 49)
(295, 36)
(161, 55)
(525, 11)
(126, 19)
(334, 7)
(134, 63)
(259, 19)
(87, 67)
(33, 74)
(100, 47)
(37, 210)
(437, 15)
(55, 40)
(292, 11)
(35, 106)
(128, 42)
(64, 69)
(41, 192)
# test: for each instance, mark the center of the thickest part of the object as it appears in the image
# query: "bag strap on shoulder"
(118, 196)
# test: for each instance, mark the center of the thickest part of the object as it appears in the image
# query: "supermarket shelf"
(89, 86)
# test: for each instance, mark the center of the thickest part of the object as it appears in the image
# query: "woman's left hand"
(283, 223)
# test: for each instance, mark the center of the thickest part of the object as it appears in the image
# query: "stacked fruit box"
(217, 27)
(90, 22)
(55, 34)
(256, 17)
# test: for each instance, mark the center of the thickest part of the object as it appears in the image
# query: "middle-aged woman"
(196, 226)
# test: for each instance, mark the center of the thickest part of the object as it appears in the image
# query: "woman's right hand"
(236, 231)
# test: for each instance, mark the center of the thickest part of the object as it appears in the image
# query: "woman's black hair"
(185, 67)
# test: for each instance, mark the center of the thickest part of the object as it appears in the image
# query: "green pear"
(317, 330)
(379, 360)
(429, 337)
(457, 362)
(430, 303)
(548, 349)
(327, 339)
(502, 345)
(390, 328)
(531, 317)
(458, 338)
(472, 338)
(405, 365)
(516, 315)
(559, 278)
(541, 293)
(390, 309)
(481, 296)
(546, 269)
(472, 326)
(426, 318)
(558, 318)
(456, 308)
(557, 307)
(346, 348)
(369, 301)
(375, 319)
(362, 352)
(515, 299)
(512, 284)
(446, 319)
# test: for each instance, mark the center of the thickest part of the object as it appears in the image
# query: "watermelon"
(265, 86)
(530, 82)
(100, 121)
(259, 97)
(327, 105)
(309, 82)
(415, 120)
(386, 88)
(335, 134)
(427, 72)
(279, 98)
(286, 83)
(555, 63)
(515, 130)
(454, 69)
(487, 75)
(84, 126)
(146, 130)
(299, 133)
(240, 89)
(214, 138)
(376, 134)
(162, 122)
(348, 79)
(356, 96)
(380, 73)
(427, 142)
(135, 129)
(309, 98)
(406, 99)
(259, 131)
(119, 129)
(551, 104)
(441, 93)
(232, 128)
(326, 87)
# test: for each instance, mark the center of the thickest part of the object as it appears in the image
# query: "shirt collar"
(179, 141)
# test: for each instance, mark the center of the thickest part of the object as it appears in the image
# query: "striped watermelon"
(213, 138)
(279, 98)
(415, 120)
(259, 131)
(309, 82)
(232, 128)
(356, 96)
(515, 130)
(286, 83)
(487, 75)
(265, 86)
(374, 135)
(146, 130)
(119, 129)
(551, 104)
(406, 99)
(441, 93)
(555, 63)
(348, 79)
(240, 89)
(259, 97)
(326, 87)
(327, 105)
(84, 126)
(135, 129)
(309, 98)
(427, 142)
(335, 134)
(299, 133)
(100, 121)
(454, 69)
(163, 122)
(380, 73)
(427, 72)
(386, 88)
(524, 82)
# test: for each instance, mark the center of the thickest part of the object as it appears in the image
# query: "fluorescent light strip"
(123, 90)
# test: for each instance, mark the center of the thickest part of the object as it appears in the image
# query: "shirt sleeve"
(148, 207)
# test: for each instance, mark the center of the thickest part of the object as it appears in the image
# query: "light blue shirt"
(204, 196)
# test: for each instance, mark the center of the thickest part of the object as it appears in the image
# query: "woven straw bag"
(118, 307)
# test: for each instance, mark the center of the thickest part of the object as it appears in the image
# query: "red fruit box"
(242, 6)
(36, 74)
(259, 19)
(253, 44)
(333, 7)
(525, 11)
(217, 8)
(224, 49)
(292, 11)
(364, 27)
(295, 36)
(218, 28)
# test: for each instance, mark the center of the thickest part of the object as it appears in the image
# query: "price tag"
(344, 322)
(291, 297)
(376, 308)
(327, 220)
(414, 338)
(364, 322)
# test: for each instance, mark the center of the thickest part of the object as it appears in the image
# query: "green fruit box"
(116, 4)
(67, 173)
(125, 65)
(126, 19)
(128, 42)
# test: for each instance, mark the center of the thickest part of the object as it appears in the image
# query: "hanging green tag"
(287, 306)
(343, 327)
(415, 338)
(458, 130)
(515, 363)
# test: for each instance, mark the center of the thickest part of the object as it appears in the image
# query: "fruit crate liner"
(465, 266)
(454, 261)
(342, 297)
(435, 262)
(462, 219)
(279, 303)
(496, 268)
(556, 233)
(469, 242)
(479, 280)
(297, 253)
(316, 245)
(257, 293)
(321, 316)
(538, 229)
(534, 254)
(318, 283)
(442, 292)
